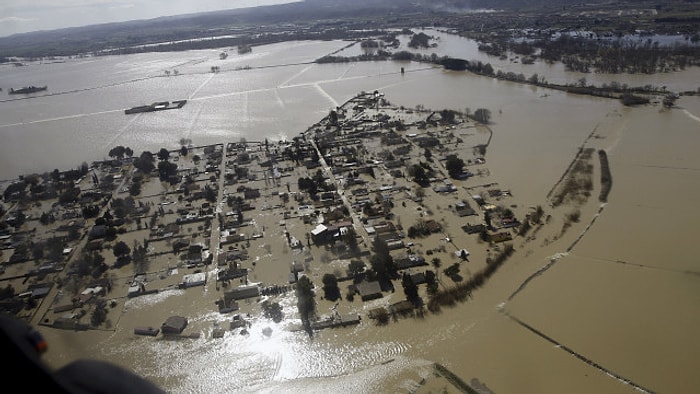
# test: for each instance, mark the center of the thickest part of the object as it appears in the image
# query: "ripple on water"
(256, 362)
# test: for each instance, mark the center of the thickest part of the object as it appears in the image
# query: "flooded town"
(255, 218)
(315, 216)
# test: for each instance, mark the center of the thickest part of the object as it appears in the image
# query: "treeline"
(605, 176)
(614, 90)
(382, 55)
(608, 55)
(463, 291)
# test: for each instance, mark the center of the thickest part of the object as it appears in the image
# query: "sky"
(21, 16)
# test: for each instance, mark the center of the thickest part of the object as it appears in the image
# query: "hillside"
(327, 14)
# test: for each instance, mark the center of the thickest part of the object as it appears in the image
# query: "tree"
(210, 194)
(272, 310)
(333, 118)
(381, 262)
(7, 292)
(420, 40)
(163, 154)
(534, 79)
(431, 282)
(428, 155)
(482, 115)
(436, 263)
(454, 165)
(355, 268)
(91, 263)
(487, 218)
(448, 115)
(305, 301)
(350, 238)
(99, 314)
(140, 256)
(166, 170)
(145, 162)
(121, 249)
(135, 188)
(420, 176)
(330, 287)
(117, 152)
(382, 317)
(409, 288)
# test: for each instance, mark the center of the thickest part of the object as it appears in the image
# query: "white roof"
(319, 229)
(459, 252)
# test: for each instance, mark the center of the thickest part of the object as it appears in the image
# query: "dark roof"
(98, 231)
(418, 278)
(174, 325)
(369, 290)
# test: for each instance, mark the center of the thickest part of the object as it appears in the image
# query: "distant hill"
(86, 39)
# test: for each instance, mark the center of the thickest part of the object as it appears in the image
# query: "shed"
(174, 325)
(150, 331)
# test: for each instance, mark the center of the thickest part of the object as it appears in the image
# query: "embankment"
(605, 176)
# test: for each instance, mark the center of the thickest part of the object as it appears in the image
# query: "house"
(243, 292)
(97, 231)
(409, 261)
(501, 237)
(473, 229)
(232, 272)
(65, 307)
(95, 244)
(463, 209)
(181, 243)
(433, 226)
(402, 307)
(192, 280)
(40, 290)
(447, 188)
(369, 290)
(318, 232)
(226, 306)
(251, 193)
(463, 175)
(136, 289)
(94, 290)
(418, 278)
(174, 325)
(395, 244)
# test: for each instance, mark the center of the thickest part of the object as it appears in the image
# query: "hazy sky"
(20, 16)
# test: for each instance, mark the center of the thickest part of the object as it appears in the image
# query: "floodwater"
(623, 295)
